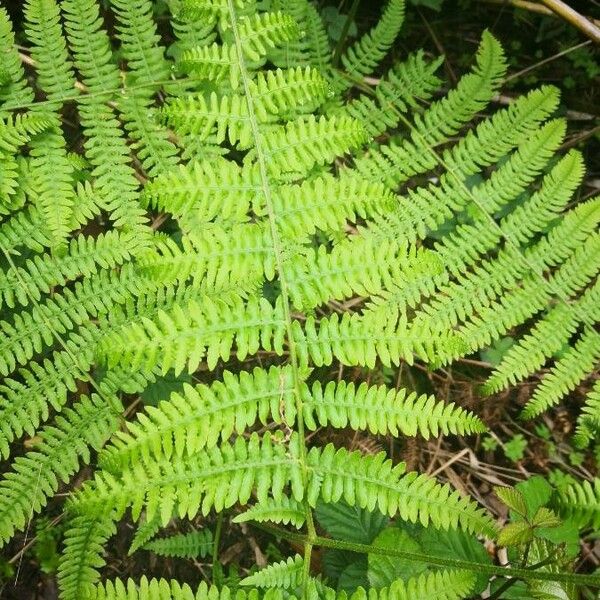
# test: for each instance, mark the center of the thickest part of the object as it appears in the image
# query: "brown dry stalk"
(584, 24)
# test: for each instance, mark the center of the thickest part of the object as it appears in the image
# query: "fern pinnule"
(588, 422)
(577, 363)
(206, 190)
(36, 475)
(581, 502)
(14, 90)
(311, 47)
(316, 141)
(545, 204)
(380, 410)
(286, 574)
(196, 544)
(201, 416)
(284, 510)
(403, 87)
(366, 53)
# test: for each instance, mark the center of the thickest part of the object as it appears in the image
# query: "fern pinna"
(233, 214)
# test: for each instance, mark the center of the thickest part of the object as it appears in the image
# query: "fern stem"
(518, 573)
(216, 571)
(293, 356)
(340, 45)
(48, 323)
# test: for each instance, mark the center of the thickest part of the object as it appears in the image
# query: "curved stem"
(564, 11)
(337, 53)
(438, 561)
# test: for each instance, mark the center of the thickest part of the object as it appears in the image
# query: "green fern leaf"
(196, 544)
(286, 575)
(367, 52)
(286, 510)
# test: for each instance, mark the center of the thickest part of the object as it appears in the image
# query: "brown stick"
(536, 7)
(564, 11)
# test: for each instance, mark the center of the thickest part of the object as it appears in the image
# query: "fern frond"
(579, 269)
(185, 336)
(14, 132)
(215, 479)
(139, 40)
(54, 69)
(512, 309)
(30, 332)
(203, 415)
(545, 204)
(400, 89)
(173, 590)
(381, 333)
(90, 46)
(426, 208)
(200, 116)
(84, 543)
(520, 169)
(14, 89)
(588, 422)
(84, 257)
(227, 117)
(37, 474)
(442, 585)
(196, 544)
(105, 145)
(216, 7)
(154, 149)
(211, 62)
(546, 338)
(581, 502)
(24, 228)
(145, 532)
(190, 32)
(260, 32)
(578, 362)
(226, 475)
(365, 54)
(301, 144)
(207, 189)
(473, 291)
(326, 202)
(286, 510)
(357, 266)
(286, 574)
(373, 482)
(381, 410)
(312, 46)
(200, 331)
(52, 182)
(25, 402)
(215, 258)
(145, 58)
(572, 229)
(396, 163)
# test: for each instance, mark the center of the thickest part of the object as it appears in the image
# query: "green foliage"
(514, 449)
(196, 544)
(226, 210)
